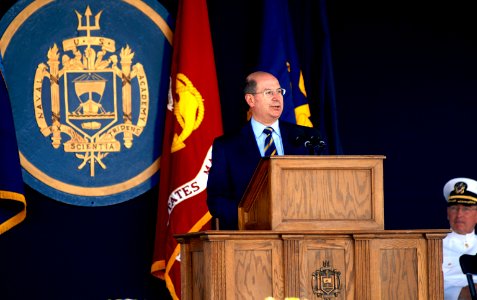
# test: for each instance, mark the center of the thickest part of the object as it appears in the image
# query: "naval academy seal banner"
(88, 82)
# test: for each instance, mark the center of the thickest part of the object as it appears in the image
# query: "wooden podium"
(315, 193)
(312, 227)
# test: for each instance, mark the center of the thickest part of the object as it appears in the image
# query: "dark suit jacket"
(234, 159)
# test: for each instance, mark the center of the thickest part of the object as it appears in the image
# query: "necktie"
(269, 147)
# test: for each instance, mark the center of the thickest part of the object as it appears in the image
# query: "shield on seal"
(90, 102)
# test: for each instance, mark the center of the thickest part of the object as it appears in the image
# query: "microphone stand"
(317, 144)
(318, 149)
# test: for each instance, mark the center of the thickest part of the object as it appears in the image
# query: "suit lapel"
(286, 138)
(249, 145)
(289, 133)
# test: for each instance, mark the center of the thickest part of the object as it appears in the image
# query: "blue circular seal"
(88, 83)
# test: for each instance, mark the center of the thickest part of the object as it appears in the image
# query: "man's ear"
(250, 100)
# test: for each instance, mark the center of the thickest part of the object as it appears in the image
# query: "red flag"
(193, 120)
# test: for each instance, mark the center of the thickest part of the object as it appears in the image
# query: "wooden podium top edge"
(280, 233)
(275, 157)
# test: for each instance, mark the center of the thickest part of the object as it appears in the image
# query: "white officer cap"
(461, 191)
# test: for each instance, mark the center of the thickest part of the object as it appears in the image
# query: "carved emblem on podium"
(326, 282)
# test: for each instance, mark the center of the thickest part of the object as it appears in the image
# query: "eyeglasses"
(270, 93)
(464, 209)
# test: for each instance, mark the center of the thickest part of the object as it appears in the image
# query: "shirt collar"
(259, 127)
(463, 237)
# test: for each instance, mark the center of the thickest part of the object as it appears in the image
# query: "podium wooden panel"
(314, 193)
(374, 265)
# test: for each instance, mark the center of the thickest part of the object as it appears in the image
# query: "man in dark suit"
(235, 156)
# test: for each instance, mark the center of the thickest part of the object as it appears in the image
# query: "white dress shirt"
(260, 136)
(454, 245)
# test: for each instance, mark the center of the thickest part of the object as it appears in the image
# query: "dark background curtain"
(405, 85)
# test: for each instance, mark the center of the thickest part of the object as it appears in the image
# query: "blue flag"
(301, 64)
(312, 36)
(12, 199)
(278, 56)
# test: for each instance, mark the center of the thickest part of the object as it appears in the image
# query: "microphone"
(317, 142)
(302, 140)
(314, 144)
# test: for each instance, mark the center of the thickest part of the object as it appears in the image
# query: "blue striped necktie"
(269, 147)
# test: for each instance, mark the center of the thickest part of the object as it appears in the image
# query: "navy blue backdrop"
(405, 83)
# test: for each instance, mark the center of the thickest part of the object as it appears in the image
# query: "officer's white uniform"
(454, 244)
